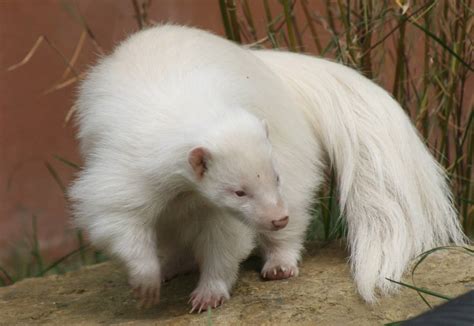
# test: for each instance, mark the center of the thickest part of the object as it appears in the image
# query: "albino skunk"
(197, 150)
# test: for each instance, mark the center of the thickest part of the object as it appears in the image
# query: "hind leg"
(178, 262)
(105, 202)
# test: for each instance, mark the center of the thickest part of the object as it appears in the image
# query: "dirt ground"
(323, 294)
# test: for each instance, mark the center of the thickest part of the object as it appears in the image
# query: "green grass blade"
(225, 19)
(67, 162)
(440, 42)
(289, 24)
(395, 323)
(56, 177)
(209, 316)
(35, 251)
(62, 259)
(423, 290)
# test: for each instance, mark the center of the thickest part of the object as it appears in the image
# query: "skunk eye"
(240, 193)
(278, 179)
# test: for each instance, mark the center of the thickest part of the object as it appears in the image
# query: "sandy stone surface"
(323, 294)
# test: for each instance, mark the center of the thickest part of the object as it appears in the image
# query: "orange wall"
(32, 127)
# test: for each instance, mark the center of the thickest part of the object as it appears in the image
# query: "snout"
(280, 223)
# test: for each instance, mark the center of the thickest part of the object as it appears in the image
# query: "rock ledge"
(323, 294)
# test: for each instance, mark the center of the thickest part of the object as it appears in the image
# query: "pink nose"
(281, 223)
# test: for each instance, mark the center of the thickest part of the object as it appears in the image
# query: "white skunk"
(196, 150)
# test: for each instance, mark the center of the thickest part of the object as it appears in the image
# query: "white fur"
(170, 89)
(392, 192)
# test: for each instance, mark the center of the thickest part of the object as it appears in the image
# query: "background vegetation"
(429, 46)
(421, 53)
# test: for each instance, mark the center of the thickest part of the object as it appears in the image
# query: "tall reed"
(420, 52)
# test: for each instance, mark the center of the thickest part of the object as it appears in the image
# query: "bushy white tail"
(392, 192)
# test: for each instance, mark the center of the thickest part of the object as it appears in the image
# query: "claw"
(146, 296)
(203, 298)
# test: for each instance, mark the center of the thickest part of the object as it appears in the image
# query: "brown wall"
(32, 124)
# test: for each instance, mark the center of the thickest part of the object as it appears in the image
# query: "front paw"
(278, 270)
(147, 292)
(205, 297)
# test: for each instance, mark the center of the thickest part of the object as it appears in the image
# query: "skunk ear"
(265, 125)
(198, 159)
